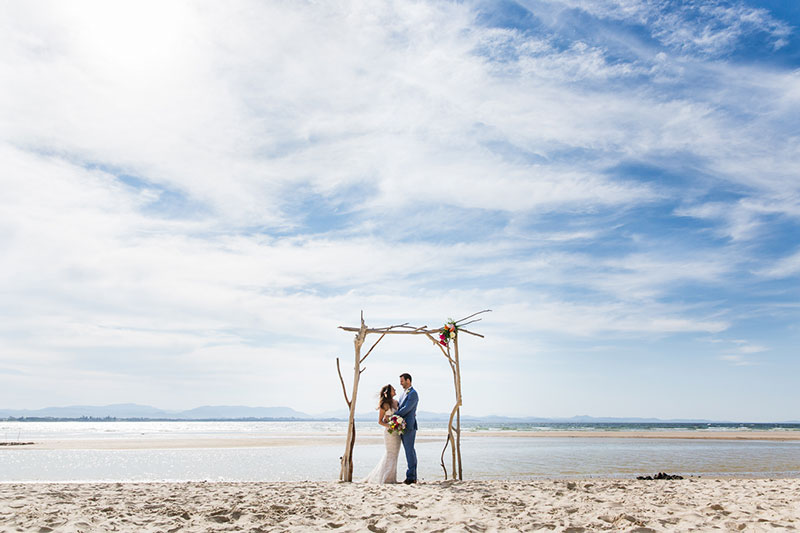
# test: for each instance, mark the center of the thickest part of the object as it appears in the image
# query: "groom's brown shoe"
(410, 481)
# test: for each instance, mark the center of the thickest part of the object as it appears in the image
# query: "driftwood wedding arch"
(454, 423)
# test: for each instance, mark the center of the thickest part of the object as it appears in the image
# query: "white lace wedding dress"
(386, 470)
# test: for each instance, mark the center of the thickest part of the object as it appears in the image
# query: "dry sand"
(471, 506)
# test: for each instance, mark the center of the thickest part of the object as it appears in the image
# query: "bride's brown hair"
(385, 398)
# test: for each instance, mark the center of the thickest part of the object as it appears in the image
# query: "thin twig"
(470, 322)
(471, 333)
(375, 330)
(344, 389)
(373, 347)
(442, 458)
(440, 347)
(452, 438)
(387, 328)
(473, 314)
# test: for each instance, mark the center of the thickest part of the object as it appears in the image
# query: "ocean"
(310, 451)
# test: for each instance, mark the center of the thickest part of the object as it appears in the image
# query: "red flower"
(443, 343)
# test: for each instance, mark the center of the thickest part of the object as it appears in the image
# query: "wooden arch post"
(454, 423)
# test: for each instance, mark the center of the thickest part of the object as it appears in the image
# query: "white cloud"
(159, 194)
(612, 319)
(708, 27)
(398, 118)
(742, 352)
(747, 218)
(783, 268)
(747, 348)
(736, 360)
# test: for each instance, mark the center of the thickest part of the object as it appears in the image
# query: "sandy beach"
(695, 504)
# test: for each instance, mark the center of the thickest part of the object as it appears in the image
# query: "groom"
(408, 410)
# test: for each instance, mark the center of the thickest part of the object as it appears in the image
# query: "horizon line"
(11, 413)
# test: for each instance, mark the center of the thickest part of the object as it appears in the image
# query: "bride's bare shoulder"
(394, 404)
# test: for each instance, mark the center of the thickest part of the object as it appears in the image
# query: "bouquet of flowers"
(448, 332)
(397, 424)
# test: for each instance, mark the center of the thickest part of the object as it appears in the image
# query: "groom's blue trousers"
(411, 455)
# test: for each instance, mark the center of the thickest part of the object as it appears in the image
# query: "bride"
(386, 470)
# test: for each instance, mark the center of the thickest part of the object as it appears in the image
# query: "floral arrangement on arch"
(449, 331)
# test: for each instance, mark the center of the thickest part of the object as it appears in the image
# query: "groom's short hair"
(407, 376)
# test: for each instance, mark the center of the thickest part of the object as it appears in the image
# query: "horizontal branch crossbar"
(393, 331)
(383, 331)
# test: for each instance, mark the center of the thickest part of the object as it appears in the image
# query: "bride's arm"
(381, 415)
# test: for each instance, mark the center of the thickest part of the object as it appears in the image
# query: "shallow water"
(97, 429)
(484, 457)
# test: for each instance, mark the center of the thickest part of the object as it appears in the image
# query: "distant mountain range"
(238, 412)
(132, 410)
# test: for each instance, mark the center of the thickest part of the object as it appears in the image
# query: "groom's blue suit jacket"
(408, 409)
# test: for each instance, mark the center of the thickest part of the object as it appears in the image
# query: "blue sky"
(196, 195)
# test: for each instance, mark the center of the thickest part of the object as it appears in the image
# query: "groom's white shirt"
(402, 397)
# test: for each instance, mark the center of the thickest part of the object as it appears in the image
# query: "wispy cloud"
(736, 360)
(785, 267)
(742, 352)
(708, 27)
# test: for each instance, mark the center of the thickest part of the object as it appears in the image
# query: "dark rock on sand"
(660, 475)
